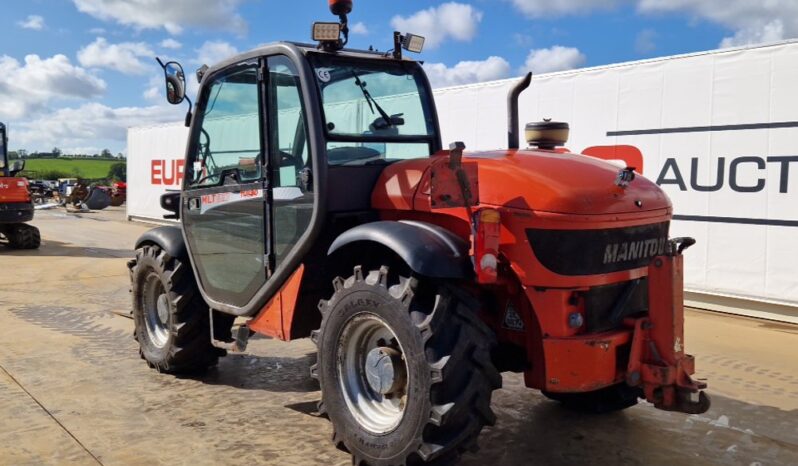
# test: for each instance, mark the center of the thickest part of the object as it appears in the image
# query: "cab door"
(224, 202)
(290, 163)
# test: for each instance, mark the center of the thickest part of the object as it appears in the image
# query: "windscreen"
(374, 110)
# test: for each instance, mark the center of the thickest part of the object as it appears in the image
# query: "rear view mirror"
(17, 167)
(175, 81)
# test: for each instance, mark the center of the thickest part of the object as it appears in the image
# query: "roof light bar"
(413, 43)
(326, 32)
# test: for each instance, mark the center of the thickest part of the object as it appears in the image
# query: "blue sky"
(76, 73)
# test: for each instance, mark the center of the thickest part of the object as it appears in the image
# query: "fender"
(427, 249)
(169, 238)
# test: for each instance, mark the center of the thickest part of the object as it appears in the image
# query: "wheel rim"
(372, 372)
(156, 311)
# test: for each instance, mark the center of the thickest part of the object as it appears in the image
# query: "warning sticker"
(512, 320)
(213, 201)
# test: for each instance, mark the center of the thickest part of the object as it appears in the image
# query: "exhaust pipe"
(513, 138)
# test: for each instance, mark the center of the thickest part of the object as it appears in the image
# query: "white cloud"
(27, 88)
(752, 21)
(467, 72)
(123, 57)
(171, 15)
(556, 58)
(212, 52)
(548, 8)
(644, 42)
(453, 20)
(89, 125)
(171, 44)
(34, 22)
(359, 28)
(155, 89)
(770, 32)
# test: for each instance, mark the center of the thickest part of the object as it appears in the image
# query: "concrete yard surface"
(73, 389)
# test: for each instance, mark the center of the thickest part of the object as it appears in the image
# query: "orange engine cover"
(542, 181)
(14, 190)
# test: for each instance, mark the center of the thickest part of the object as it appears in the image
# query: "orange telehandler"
(319, 202)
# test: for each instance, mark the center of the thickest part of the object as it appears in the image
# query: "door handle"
(305, 178)
(194, 203)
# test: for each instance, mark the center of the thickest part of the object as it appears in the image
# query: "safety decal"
(213, 201)
(324, 75)
(512, 320)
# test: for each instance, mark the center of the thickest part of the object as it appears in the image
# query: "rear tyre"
(172, 323)
(607, 400)
(23, 236)
(405, 369)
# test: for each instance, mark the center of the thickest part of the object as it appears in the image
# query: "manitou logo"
(4, 186)
(634, 250)
(167, 172)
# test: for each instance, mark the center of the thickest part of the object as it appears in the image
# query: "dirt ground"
(74, 391)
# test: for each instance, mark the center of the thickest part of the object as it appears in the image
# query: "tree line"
(58, 153)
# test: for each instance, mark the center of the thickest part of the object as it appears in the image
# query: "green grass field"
(68, 168)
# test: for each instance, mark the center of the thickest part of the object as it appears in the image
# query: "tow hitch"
(657, 362)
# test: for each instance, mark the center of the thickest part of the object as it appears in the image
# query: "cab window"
(228, 147)
(374, 111)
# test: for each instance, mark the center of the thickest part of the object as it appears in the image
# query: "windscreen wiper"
(370, 100)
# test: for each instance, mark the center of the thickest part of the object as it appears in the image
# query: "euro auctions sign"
(167, 172)
(156, 163)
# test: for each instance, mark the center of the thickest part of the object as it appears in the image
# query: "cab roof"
(287, 47)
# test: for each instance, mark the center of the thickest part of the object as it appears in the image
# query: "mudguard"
(168, 238)
(427, 249)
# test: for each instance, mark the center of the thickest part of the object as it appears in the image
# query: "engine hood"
(535, 180)
(561, 183)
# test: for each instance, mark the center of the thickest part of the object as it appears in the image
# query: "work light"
(326, 32)
(413, 43)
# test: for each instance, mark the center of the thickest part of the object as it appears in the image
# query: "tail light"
(487, 225)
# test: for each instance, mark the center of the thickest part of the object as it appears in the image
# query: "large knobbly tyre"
(171, 319)
(405, 369)
(24, 236)
(606, 400)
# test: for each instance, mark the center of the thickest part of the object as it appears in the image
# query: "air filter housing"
(547, 134)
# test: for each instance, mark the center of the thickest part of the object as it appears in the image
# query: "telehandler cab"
(16, 203)
(319, 202)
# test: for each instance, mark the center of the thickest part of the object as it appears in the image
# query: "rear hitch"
(657, 361)
(685, 402)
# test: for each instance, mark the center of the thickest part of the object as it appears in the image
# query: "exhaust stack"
(513, 136)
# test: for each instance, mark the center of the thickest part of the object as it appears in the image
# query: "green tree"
(56, 152)
(118, 172)
(106, 154)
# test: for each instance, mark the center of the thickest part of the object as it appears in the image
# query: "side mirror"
(17, 167)
(170, 202)
(175, 81)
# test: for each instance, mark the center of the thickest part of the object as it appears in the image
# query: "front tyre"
(404, 368)
(171, 319)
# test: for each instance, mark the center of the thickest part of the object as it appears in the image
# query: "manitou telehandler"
(16, 203)
(318, 202)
